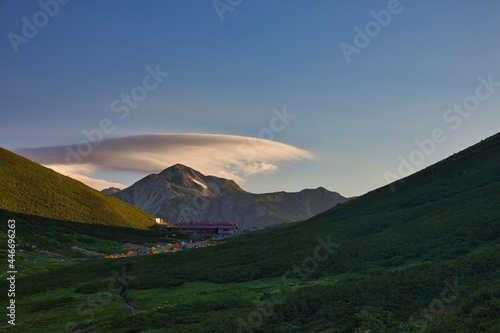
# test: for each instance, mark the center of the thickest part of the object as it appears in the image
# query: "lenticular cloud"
(227, 156)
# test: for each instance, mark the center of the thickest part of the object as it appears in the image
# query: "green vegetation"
(60, 237)
(30, 188)
(424, 258)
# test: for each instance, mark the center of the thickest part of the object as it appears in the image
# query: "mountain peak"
(180, 193)
(180, 170)
(177, 167)
(180, 167)
(181, 175)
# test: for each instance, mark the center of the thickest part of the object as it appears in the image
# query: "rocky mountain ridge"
(179, 194)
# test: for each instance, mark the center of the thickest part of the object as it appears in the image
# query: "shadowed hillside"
(30, 188)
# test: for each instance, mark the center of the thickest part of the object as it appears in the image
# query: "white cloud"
(77, 172)
(258, 167)
(228, 156)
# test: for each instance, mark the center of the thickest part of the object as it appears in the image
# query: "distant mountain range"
(111, 190)
(180, 193)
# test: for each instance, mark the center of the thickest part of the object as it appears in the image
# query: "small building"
(157, 220)
(206, 228)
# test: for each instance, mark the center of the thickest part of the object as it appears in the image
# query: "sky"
(277, 95)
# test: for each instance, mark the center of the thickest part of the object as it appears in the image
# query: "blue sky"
(357, 119)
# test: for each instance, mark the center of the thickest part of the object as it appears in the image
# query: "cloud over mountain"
(228, 156)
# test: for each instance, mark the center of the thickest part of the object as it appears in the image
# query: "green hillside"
(422, 258)
(30, 188)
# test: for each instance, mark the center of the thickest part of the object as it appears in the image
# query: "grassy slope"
(59, 236)
(30, 188)
(397, 252)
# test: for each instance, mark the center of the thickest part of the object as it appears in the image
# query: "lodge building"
(219, 228)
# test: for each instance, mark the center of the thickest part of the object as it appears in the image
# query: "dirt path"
(84, 251)
(125, 301)
(87, 252)
(51, 253)
(130, 246)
